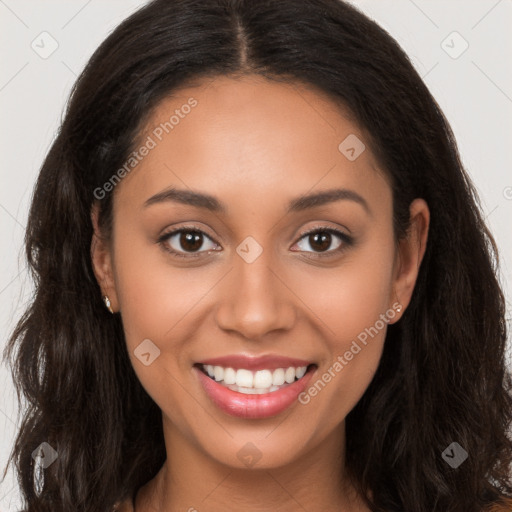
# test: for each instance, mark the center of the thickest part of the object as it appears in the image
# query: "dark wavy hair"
(442, 377)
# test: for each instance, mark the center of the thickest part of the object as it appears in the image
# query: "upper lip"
(266, 362)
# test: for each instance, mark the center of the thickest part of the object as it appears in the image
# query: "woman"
(263, 281)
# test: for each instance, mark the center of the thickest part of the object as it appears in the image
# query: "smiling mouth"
(258, 382)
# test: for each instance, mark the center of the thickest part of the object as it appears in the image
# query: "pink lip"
(253, 406)
(268, 362)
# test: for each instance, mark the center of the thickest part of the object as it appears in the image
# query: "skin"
(255, 145)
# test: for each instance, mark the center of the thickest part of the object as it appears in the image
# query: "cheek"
(156, 302)
(350, 297)
(154, 294)
(354, 306)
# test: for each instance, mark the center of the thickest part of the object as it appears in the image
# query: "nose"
(255, 299)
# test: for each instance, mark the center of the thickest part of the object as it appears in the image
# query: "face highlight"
(247, 231)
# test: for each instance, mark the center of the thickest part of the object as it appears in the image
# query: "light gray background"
(474, 90)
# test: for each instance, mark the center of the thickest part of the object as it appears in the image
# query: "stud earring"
(399, 308)
(106, 300)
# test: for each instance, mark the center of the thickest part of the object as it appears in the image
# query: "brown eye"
(324, 240)
(191, 240)
(319, 241)
(183, 242)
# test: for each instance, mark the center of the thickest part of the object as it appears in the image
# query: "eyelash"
(346, 241)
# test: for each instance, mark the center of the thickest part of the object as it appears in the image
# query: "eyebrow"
(211, 203)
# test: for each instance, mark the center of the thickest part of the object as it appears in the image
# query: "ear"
(410, 254)
(101, 257)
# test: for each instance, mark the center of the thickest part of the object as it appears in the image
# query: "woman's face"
(244, 280)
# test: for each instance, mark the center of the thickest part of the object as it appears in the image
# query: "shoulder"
(504, 505)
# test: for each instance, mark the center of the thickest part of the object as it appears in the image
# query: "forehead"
(250, 136)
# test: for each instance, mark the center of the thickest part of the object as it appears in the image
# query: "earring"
(399, 308)
(106, 300)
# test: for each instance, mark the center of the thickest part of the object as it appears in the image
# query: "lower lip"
(253, 406)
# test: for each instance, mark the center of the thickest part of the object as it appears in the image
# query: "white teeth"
(260, 381)
(254, 391)
(289, 375)
(244, 378)
(229, 376)
(278, 377)
(218, 373)
(300, 372)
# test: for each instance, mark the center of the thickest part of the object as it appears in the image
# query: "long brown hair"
(442, 377)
